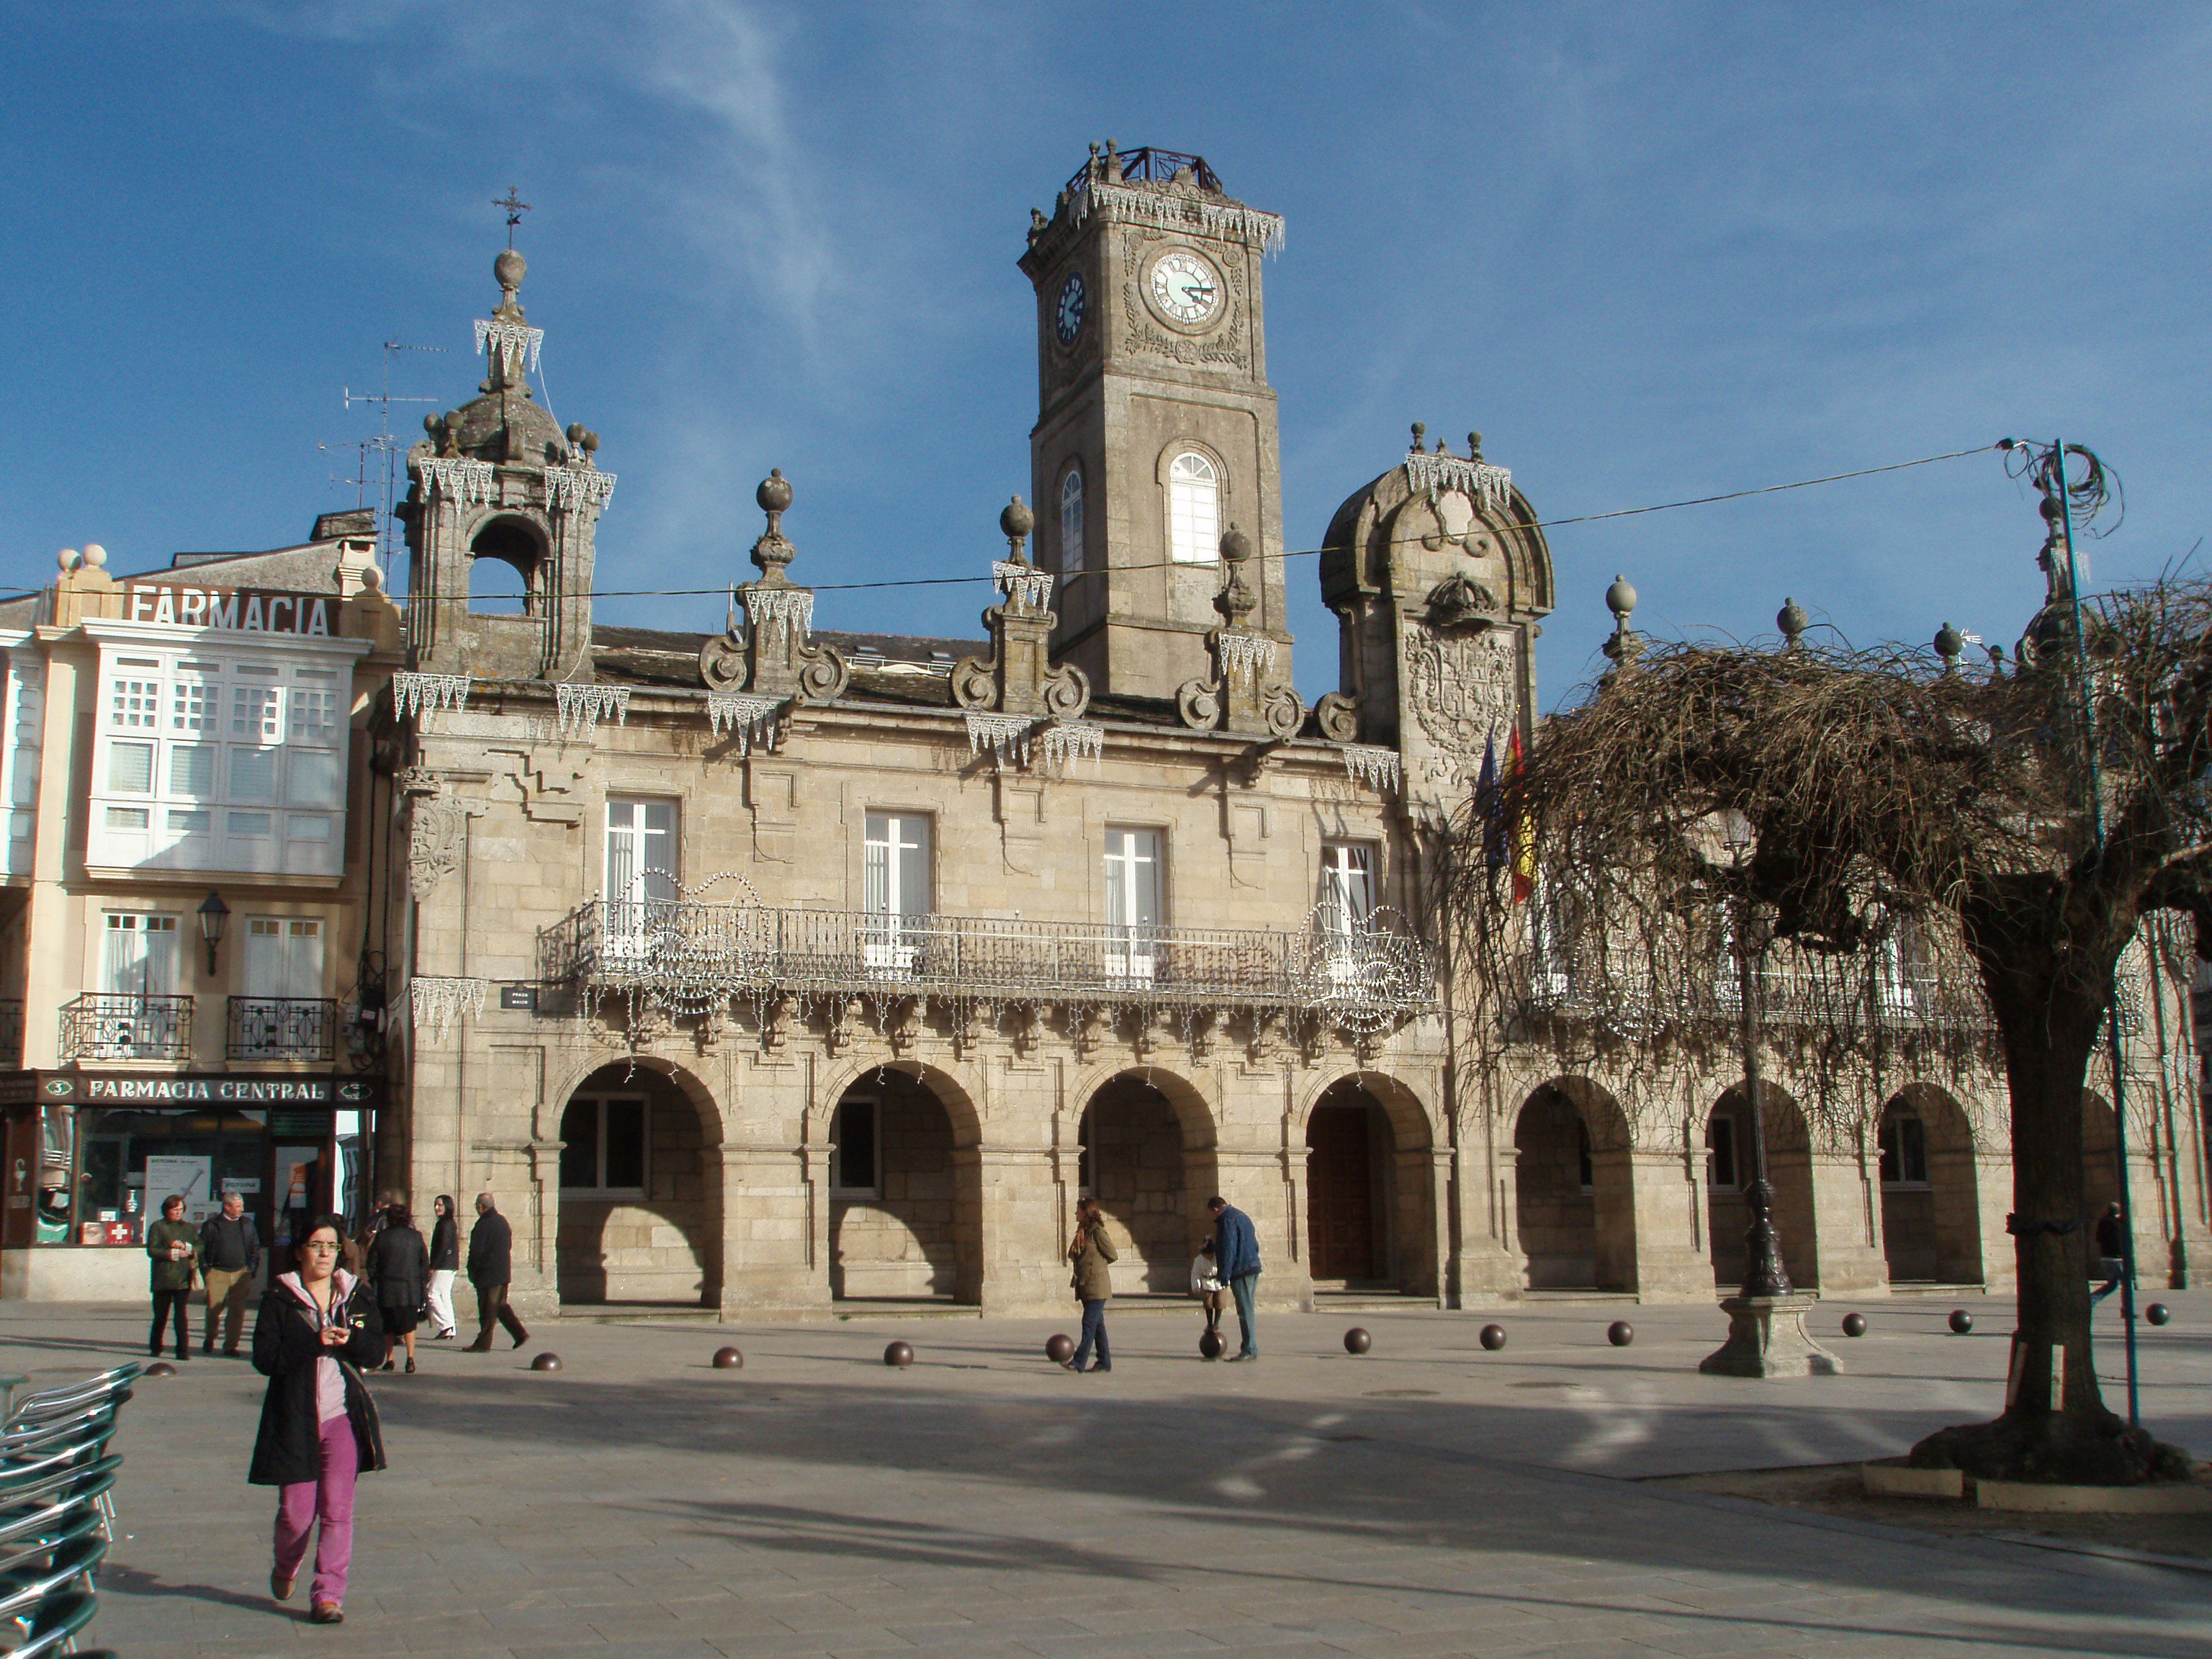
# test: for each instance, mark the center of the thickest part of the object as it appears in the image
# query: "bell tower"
(1155, 426)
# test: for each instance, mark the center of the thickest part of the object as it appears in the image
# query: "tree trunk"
(2055, 1427)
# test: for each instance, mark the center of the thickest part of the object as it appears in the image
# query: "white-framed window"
(1071, 520)
(857, 1133)
(1903, 1142)
(605, 1146)
(1347, 883)
(138, 954)
(1132, 901)
(1194, 509)
(641, 868)
(283, 956)
(187, 734)
(895, 884)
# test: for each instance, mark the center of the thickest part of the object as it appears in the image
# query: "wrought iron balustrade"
(1836, 992)
(693, 950)
(108, 1025)
(283, 1028)
(1155, 165)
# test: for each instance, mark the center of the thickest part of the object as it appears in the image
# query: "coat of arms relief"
(1463, 689)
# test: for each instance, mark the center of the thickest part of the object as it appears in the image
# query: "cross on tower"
(516, 207)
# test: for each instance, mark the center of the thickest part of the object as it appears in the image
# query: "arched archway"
(1574, 1201)
(905, 1188)
(1789, 1171)
(1930, 1209)
(640, 1217)
(506, 559)
(1147, 1157)
(1370, 1192)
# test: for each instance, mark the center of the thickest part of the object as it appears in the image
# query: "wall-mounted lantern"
(215, 915)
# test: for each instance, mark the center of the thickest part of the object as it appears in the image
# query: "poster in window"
(194, 1178)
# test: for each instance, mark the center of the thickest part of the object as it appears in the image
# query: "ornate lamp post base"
(1767, 1338)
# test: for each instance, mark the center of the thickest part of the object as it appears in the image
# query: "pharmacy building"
(779, 970)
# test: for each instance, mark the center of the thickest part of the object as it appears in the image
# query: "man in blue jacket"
(1236, 1248)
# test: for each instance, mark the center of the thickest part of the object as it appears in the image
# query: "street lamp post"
(1764, 1273)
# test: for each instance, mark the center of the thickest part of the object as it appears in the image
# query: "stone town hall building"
(775, 967)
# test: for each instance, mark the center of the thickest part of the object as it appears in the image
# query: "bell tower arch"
(1155, 426)
(496, 479)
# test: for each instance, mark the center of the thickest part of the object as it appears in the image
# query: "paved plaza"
(1428, 1498)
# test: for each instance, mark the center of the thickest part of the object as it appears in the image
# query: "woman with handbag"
(1091, 1250)
(318, 1426)
(399, 1265)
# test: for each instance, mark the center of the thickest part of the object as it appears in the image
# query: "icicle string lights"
(578, 486)
(517, 343)
(1066, 739)
(1005, 735)
(438, 1002)
(1490, 485)
(753, 719)
(1255, 651)
(460, 482)
(1379, 768)
(580, 708)
(1176, 211)
(793, 605)
(426, 694)
(1023, 584)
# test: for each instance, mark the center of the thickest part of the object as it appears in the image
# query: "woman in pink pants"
(318, 1427)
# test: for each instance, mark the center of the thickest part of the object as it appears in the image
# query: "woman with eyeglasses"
(318, 1426)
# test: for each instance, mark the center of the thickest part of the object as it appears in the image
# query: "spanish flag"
(1520, 835)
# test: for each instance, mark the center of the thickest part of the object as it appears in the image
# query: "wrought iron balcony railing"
(283, 1028)
(11, 1033)
(1354, 971)
(104, 1025)
(1837, 993)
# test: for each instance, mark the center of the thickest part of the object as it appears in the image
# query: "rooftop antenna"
(516, 207)
(384, 442)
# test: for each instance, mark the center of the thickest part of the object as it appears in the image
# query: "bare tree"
(1897, 810)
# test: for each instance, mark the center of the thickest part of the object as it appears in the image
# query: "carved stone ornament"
(1464, 697)
(771, 656)
(437, 831)
(1019, 677)
(1462, 602)
(1338, 717)
(1243, 697)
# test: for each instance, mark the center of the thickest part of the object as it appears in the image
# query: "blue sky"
(1652, 251)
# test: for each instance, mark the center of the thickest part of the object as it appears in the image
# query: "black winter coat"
(399, 1263)
(446, 1245)
(491, 1250)
(286, 1345)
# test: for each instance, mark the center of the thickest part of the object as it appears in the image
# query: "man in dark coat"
(230, 1250)
(1237, 1249)
(491, 1266)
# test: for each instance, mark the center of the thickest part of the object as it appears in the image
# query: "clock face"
(1185, 287)
(1068, 314)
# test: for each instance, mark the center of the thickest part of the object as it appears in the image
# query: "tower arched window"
(1071, 520)
(1194, 509)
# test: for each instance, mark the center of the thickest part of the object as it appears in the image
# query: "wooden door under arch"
(1340, 1195)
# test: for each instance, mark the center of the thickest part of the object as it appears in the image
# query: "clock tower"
(1155, 425)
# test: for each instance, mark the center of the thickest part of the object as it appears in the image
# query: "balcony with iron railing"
(283, 1028)
(108, 1025)
(1844, 994)
(1361, 970)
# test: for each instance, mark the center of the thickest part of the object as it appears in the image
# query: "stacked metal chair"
(56, 1510)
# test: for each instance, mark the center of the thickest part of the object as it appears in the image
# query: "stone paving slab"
(1428, 1498)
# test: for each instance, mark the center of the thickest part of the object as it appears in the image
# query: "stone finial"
(1793, 622)
(69, 558)
(772, 553)
(1015, 523)
(1996, 661)
(1949, 642)
(508, 271)
(1420, 431)
(95, 556)
(1235, 600)
(1475, 446)
(583, 440)
(1626, 645)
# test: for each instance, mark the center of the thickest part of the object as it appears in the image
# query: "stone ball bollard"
(1059, 1347)
(899, 1353)
(1854, 1324)
(1961, 1321)
(2158, 1312)
(1620, 1332)
(1357, 1341)
(545, 1362)
(160, 1368)
(728, 1359)
(1212, 1344)
(1493, 1337)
